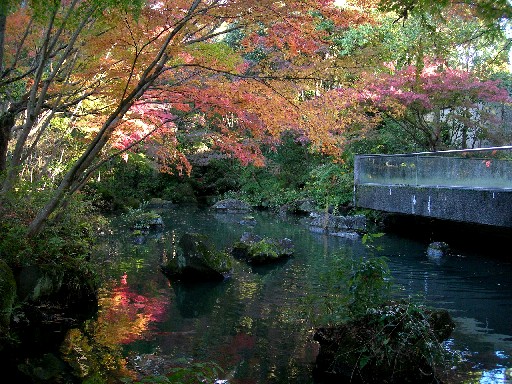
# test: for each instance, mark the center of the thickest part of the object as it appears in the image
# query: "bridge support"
(481, 206)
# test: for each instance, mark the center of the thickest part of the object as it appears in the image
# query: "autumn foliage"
(435, 100)
(116, 76)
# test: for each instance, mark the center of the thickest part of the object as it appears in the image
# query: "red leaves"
(125, 315)
(436, 86)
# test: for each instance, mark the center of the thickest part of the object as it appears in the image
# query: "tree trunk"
(78, 174)
(3, 20)
(6, 124)
(5, 127)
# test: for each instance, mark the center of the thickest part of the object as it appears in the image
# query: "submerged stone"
(198, 259)
(258, 250)
(438, 249)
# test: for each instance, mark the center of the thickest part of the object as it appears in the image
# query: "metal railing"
(489, 168)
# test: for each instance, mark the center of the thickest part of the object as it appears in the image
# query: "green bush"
(331, 185)
(179, 192)
(127, 183)
(69, 233)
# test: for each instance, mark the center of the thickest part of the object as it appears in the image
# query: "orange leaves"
(173, 61)
(171, 160)
(336, 117)
(14, 34)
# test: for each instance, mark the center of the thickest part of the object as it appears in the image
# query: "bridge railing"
(489, 168)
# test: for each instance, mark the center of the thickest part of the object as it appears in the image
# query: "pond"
(252, 325)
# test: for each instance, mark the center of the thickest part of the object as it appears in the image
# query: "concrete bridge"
(471, 186)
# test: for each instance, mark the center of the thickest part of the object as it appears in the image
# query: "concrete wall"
(482, 206)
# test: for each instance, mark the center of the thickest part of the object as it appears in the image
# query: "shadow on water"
(194, 300)
(488, 241)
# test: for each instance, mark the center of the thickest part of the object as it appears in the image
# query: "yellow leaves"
(217, 55)
(333, 118)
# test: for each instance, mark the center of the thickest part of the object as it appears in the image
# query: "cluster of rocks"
(28, 294)
(345, 349)
(197, 259)
(349, 227)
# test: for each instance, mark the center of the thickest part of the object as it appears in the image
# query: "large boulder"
(258, 250)
(395, 343)
(197, 259)
(232, 206)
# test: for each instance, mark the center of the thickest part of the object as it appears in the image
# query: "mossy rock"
(145, 221)
(197, 259)
(257, 250)
(232, 206)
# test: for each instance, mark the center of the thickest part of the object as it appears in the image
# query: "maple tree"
(442, 107)
(432, 61)
(120, 74)
(106, 76)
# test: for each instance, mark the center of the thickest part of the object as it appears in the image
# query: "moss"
(263, 250)
(198, 259)
(215, 259)
(257, 250)
(138, 219)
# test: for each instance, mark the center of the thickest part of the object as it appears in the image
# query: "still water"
(253, 324)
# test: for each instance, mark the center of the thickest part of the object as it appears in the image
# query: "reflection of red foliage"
(239, 348)
(128, 314)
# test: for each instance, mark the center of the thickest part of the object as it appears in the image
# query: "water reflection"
(251, 324)
(195, 300)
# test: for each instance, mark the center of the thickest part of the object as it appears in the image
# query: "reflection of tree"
(124, 317)
(247, 326)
